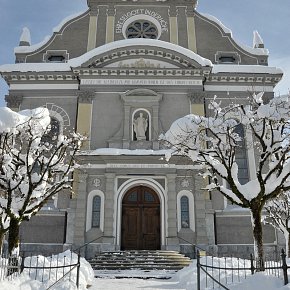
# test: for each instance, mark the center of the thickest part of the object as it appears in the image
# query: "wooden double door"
(140, 220)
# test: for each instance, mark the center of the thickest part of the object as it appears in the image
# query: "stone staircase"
(138, 264)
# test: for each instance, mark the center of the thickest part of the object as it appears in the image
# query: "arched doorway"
(140, 219)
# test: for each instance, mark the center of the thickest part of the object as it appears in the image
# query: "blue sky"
(270, 18)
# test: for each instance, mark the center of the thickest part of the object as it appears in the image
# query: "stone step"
(124, 261)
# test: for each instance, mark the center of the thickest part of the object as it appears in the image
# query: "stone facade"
(95, 80)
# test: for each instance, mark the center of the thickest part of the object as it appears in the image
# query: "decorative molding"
(97, 182)
(141, 82)
(13, 101)
(141, 52)
(197, 98)
(142, 72)
(85, 96)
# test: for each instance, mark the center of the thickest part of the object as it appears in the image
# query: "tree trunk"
(2, 235)
(258, 238)
(288, 244)
(13, 237)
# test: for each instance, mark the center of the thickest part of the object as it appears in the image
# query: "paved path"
(134, 284)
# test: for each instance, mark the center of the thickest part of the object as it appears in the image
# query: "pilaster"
(80, 211)
(191, 29)
(172, 211)
(197, 103)
(93, 26)
(84, 117)
(110, 34)
(109, 206)
(173, 25)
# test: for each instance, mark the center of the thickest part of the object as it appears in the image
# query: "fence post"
(22, 264)
(284, 267)
(198, 269)
(78, 270)
(252, 265)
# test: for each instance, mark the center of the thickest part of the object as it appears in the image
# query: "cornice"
(244, 78)
(84, 72)
(39, 76)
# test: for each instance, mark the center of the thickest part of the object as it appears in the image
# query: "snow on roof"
(116, 152)
(25, 36)
(235, 68)
(35, 67)
(32, 48)
(66, 20)
(257, 39)
(137, 42)
(256, 51)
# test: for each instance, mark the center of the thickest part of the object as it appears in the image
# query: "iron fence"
(220, 272)
(50, 270)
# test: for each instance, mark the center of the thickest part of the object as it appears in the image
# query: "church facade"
(121, 73)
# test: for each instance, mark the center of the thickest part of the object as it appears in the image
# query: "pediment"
(141, 54)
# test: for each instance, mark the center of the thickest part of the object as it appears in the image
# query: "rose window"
(142, 29)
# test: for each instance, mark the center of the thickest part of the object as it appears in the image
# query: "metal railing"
(220, 272)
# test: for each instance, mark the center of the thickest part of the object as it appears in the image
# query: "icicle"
(257, 40)
(25, 38)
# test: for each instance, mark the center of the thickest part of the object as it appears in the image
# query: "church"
(121, 73)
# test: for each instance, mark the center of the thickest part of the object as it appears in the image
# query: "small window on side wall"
(184, 210)
(96, 212)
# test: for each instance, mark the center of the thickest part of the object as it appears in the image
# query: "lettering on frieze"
(141, 82)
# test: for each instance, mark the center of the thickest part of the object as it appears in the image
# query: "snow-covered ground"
(182, 280)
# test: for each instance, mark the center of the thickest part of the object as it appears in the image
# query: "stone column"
(93, 25)
(191, 29)
(84, 116)
(109, 208)
(173, 25)
(110, 34)
(13, 102)
(172, 241)
(80, 211)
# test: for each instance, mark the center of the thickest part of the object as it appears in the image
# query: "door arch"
(140, 219)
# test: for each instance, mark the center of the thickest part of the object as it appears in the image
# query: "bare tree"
(213, 142)
(32, 169)
(278, 215)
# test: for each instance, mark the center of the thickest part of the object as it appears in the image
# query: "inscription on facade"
(141, 82)
(126, 16)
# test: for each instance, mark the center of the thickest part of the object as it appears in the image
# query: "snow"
(257, 39)
(76, 62)
(32, 48)
(68, 19)
(33, 279)
(255, 51)
(235, 68)
(25, 36)
(185, 279)
(115, 151)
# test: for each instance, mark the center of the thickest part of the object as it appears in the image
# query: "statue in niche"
(140, 125)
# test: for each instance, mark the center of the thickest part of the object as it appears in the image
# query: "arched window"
(96, 212)
(241, 156)
(184, 211)
(54, 130)
(142, 29)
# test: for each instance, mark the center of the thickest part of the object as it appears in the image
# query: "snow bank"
(42, 279)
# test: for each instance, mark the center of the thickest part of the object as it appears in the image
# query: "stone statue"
(140, 125)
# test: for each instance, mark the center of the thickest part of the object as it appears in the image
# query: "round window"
(142, 29)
